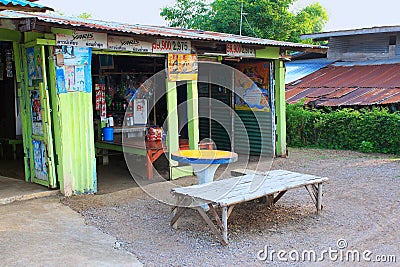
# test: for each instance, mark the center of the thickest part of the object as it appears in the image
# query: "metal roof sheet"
(298, 69)
(349, 86)
(393, 99)
(371, 30)
(380, 76)
(22, 5)
(162, 31)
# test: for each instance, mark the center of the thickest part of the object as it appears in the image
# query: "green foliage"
(85, 15)
(269, 19)
(375, 130)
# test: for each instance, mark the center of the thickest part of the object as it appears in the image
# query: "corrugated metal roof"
(380, 76)
(162, 31)
(348, 86)
(326, 35)
(298, 69)
(23, 5)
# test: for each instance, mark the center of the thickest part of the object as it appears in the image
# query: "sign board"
(140, 111)
(83, 39)
(251, 87)
(128, 44)
(182, 67)
(237, 50)
(170, 46)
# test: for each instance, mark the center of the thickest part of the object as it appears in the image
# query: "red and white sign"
(237, 50)
(169, 46)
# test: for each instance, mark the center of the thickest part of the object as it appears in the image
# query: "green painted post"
(280, 109)
(173, 131)
(193, 114)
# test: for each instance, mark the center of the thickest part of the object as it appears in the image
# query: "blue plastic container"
(108, 133)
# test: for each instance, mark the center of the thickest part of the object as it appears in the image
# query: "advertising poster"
(39, 158)
(36, 110)
(38, 63)
(30, 54)
(75, 73)
(182, 67)
(253, 86)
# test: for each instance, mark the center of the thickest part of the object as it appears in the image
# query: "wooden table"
(227, 193)
(152, 150)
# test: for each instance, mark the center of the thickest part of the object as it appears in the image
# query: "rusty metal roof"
(22, 5)
(348, 86)
(161, 31)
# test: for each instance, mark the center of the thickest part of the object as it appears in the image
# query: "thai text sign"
(172, 46)
(237, 50)
(128, 44)
(83, 39)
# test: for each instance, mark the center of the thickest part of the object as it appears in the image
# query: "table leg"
(205, 174)
(105, 156)
(149, 164)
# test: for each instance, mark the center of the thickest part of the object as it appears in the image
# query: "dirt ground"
(361, 203)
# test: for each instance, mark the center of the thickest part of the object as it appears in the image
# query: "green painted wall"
(268, 53)
(74, 140)
(10, 35)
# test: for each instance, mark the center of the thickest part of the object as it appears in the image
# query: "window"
(392, 40)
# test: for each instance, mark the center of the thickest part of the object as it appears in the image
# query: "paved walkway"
(14, 189)
(44, 232)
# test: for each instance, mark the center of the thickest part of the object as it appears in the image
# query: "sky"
(343, 14)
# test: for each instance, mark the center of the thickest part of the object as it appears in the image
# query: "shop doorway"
(129, 99)
(11, 152)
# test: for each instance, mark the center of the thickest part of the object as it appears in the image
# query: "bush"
(375, 130)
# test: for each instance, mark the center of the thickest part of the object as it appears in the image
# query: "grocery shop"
(87, 89)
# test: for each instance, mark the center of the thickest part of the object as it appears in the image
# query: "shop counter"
(152, 150)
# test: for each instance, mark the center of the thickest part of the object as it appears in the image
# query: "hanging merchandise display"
(101, 105)
(9, 63)
(1, 66)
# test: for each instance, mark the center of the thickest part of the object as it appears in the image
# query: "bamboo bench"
(247, 186)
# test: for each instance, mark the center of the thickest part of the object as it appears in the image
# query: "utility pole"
(241, 19)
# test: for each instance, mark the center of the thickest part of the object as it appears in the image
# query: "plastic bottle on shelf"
(110, 121)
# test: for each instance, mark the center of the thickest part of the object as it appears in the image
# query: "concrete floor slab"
(15, 189)
(44, 232)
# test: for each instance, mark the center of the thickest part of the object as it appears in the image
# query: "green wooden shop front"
(59, 123)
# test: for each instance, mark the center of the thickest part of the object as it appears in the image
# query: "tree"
(271, 19)
(85, 15)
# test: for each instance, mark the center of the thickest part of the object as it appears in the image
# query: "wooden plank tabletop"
(235, 190)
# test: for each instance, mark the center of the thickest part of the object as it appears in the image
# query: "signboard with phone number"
(238, 50)
(172, 46)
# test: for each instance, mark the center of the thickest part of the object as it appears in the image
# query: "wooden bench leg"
(319, 199)
(315, 193)
(225, 224)
(205, 217)
(181, 205)
(280, 194)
